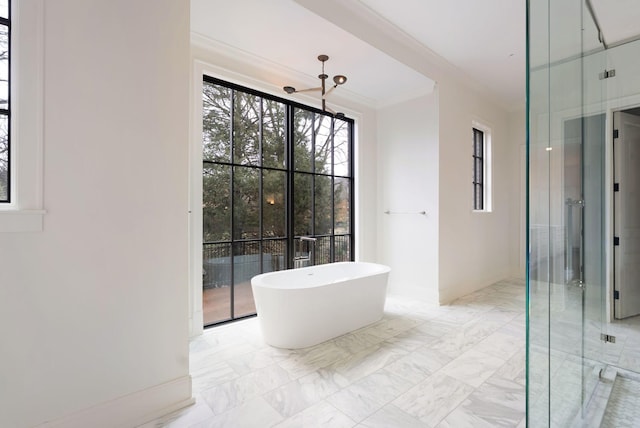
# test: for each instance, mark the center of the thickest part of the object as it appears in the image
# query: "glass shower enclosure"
(583, 246)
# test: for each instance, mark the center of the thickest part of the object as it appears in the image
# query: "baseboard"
(131, 410)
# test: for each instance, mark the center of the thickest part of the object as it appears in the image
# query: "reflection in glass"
(246, 128)
(216, 282)
(246, 265)
(246, 202)
(275, 254)
(274, 189)
(302, 139)
(216, 202)
(342, 252)
(342, 203)
(216, 123)
(323, 207)
(341, 148)
(273, 134)
(302, 222)
(323, 146)
(322, 251)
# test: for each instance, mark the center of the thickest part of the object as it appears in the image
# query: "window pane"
(323, 144)
(274, 185)
(246, 265)
(216, 202)
(323, 205)
(275, 252)
(273, 134)
(246, 203)
(322, 251)
(302, 205)
(4, 9)
(342, 198)
(302, 139)
(342, 248)
(216, 123)
(4, 67)
(216, 282)
(341, 153)
(246, 129)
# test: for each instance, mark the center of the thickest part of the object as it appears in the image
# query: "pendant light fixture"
(338, 79)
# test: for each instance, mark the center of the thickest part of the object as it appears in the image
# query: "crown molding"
(364, 23)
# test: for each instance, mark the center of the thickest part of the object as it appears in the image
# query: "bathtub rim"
(259, 280)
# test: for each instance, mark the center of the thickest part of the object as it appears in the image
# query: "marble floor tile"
(311, 359)
(254, 360)
(304, 392)
(368, 395)
(433, 399)
(496, 403)
(436, 328)
(232, 394)
(254, 413)
(320, 415)
(473, 367)
(391, 326)
(500, 345)
(212, 375)
(419, 365)
(514, 369)
(357, 341)
(367, 361)
(411, 340)
(391, 416)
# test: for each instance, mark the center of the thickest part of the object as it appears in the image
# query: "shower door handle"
(574, 273)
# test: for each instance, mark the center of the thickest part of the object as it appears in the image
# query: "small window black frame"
(6, 21)
(478, 170)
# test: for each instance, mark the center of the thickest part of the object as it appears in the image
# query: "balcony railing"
(227, 264)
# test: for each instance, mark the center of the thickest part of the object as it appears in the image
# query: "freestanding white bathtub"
(306, 306)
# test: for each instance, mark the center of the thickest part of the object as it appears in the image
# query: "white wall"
(473, 246)
(94, 307)
(408, 184)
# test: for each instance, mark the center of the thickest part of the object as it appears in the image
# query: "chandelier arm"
(309, 89)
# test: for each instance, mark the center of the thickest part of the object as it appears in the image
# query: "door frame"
(631, 103)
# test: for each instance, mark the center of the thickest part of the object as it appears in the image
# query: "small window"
(481, 170)
(5, 37)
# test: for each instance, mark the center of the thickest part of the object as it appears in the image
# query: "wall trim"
(21, 220)
(133, 409)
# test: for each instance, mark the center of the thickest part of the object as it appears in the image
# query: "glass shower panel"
(623, 93)
(564, 142)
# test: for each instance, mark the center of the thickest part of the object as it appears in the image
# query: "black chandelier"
(338, 79)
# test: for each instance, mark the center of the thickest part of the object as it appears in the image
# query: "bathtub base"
(298, 317)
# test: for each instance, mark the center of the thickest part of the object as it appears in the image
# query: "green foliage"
(246, 134)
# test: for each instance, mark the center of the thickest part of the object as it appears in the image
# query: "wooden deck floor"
(216, 303)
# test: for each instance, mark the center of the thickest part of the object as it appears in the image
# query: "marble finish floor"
(460, 365)
(623, 408)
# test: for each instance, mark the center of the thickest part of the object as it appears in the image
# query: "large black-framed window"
(478, 170)
(5, 105)
(273, 170)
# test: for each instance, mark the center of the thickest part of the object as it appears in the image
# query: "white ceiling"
(483, 40)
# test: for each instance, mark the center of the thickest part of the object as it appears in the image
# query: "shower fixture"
(338, 79)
